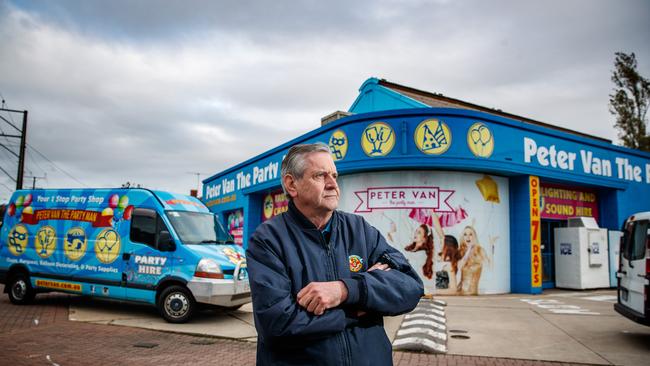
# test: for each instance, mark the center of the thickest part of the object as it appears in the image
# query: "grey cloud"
(148, 91)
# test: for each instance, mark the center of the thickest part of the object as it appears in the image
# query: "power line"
(6, 186)
(31, 157)
(36, 150)
(56, 166)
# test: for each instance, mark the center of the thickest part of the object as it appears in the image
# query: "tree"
(630, 101)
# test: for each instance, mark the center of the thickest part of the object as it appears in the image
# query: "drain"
(457, 331)
(459, 336)
(145, 345)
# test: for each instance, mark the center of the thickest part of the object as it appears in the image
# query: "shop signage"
(535, 233)
(585, 161)
(274, 204)
(561, 203)
(404, 197)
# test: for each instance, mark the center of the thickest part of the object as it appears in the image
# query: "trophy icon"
(45, 241)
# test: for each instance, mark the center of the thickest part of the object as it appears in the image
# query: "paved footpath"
(41, 334)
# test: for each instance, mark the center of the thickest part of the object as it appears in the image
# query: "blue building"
(426, 170)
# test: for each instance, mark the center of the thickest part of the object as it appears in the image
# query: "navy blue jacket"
(288, 252)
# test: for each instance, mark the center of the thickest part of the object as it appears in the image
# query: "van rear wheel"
(20, 290)
(176, 304)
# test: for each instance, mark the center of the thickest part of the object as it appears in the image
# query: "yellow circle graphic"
(45, 242)
(338, 145)
(75, 243)
(268, 207)
(18, 239)
(378, 139)
(432, 137)
(480, 140)
(107, 245)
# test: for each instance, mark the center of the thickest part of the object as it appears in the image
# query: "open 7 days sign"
(404, 197)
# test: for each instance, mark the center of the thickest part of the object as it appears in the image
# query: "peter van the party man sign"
(404, 197)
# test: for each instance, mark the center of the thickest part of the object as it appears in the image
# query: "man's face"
(317, 190)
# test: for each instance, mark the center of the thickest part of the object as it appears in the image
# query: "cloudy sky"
(154, 92)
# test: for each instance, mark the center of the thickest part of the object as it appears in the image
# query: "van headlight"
(243, 271)
(208, 268)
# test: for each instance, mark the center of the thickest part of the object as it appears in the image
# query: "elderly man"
(322, 279)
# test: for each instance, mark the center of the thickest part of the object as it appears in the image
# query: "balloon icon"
(124, 201)
(28, 200)
(488, 188)
(128, 212)
(113, 201)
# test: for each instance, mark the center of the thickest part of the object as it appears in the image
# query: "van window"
(198, 228)
(145, 226)
(636, 238)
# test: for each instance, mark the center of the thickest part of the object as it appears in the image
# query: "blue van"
(139, 245)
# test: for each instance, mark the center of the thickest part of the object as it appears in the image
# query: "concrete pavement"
(563, 326)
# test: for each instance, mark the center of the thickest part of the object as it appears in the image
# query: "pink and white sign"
(453, 227)
(386, 198)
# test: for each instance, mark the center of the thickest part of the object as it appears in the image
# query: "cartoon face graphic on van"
(75, 243)
(45, 242)
(107, 245)
(18, 239)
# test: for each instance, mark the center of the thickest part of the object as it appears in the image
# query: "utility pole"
(23, 144)
(34, 179)
(198, 180)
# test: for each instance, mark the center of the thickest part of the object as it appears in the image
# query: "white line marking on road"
(607, 298)
(557, 307)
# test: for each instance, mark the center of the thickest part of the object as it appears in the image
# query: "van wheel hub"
(177, 305)
(19, 289)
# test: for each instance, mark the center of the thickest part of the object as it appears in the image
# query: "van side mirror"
(166, 242)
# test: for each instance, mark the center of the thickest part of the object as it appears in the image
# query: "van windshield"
(198, 228)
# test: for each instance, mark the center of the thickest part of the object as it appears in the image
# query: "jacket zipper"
(333, 275)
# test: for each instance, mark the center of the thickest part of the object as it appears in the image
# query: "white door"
(633, 265)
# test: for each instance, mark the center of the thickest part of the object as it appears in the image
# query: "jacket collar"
(303, 221)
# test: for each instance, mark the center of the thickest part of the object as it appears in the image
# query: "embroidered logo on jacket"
(356, 263)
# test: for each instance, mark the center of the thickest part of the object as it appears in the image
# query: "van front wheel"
(176, 304)
(20, 290)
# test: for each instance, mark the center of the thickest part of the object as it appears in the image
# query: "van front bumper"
(221, 292)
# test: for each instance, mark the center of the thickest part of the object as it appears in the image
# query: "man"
(322, 279)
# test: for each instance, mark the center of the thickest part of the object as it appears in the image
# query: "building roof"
(438, 100)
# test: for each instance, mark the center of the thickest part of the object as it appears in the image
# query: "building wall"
(454, 140)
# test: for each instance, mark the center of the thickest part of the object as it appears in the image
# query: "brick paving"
(54, 340)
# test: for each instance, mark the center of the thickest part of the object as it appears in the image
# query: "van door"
(633, 265)
(145, 262)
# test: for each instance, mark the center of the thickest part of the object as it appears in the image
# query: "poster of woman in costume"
(451, 226)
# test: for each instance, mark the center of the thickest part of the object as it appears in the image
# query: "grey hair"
(294, 162)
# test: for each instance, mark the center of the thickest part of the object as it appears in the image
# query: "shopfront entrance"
(548, 250)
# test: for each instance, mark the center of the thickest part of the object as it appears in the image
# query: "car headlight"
(208, 268)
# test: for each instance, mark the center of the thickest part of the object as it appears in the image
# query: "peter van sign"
(404, 197)
(585, 161)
